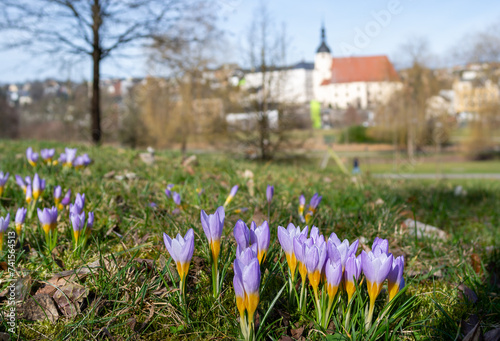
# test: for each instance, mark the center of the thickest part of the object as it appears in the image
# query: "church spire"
(323, 47)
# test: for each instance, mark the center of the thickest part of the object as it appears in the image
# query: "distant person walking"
(355, 167)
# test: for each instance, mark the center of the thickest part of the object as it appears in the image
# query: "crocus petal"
(241, 233)
(251, 277)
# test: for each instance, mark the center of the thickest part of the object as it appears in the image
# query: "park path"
(432, 176)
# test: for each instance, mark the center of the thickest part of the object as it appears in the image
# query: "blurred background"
(395, 85)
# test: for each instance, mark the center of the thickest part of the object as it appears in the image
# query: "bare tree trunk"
(95, 102)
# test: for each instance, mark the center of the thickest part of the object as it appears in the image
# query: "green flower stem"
(368, 320)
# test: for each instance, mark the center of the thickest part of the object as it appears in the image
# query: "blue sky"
(443, 23)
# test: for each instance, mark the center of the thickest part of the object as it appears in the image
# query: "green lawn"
(132, 294)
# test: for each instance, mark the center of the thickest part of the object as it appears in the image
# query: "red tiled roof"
(362, 69)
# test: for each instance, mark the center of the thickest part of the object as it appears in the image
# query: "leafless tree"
(94, 28)
(188, 80)
(266, 51)
(479, 47)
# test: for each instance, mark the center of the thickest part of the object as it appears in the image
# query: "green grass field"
(132, 292)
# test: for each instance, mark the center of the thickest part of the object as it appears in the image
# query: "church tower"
(323, 58)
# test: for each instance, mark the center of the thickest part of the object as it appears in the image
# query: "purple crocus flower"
(313, 204)
(299, 249)
(36, 186)
(3, 180)
(27, 179)
(269, 193)
(213, 225)
(20, 218)
(77, 208)
(315, 254)
(78, 223)
(78, 162)
(351, 274)
(57, 195)
(48, 219)
(231, 195)
(302, 204)
(376, 268)
(241, 233)
(62, 158)
(241, 249)
(4, 225)
(247, 276)
(29, 194)
(333, 272)
(86, 159)
(380, 246)
(261, 236)
(90, 221)
(168, 191)
(152, 204)
(31, 156)
(177, 198)
(82, 161)
(285, 237)
(395, 276)
(67, 198)
(47, 154)
(70, 156)
(200, 191)
(343, 248)
(181, 250)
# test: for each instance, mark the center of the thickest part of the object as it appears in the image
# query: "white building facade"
(339, 83)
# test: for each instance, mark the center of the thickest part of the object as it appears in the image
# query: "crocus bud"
(29, 194)
(261, 236)
(4, 225)
(48, 219)
(20, 218)
(213, 226)
(376, 268)
(269, 193)
(286, 237)
(57, 195)
(3, 181)
(177, 198)
(78, 222)
(231, 195)
(66, 200)
(90, 221)
(333, 272)
(36, 186)
(247, 273)
(31, 156)
(395, 276)
(302, 204)
(351, 274)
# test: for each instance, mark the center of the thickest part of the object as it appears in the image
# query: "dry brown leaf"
(39, 307)
(69, 299)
